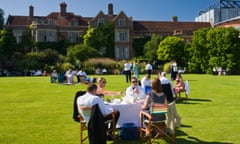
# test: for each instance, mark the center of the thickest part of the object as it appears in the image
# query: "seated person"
(69, 76)
(90, 98)
(54, 76)
(82, 76)
(146, 83)
(155, 96)
(135, 90)
(101, 83)
(166, 85)
(179, 84)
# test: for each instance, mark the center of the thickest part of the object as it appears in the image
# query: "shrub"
(91, 65)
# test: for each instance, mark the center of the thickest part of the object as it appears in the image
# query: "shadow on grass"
(191, 101)
(191, 139)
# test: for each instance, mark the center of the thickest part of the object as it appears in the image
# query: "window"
(74, 23)
(73, 36)
(51, 36)
(101, 21)
(121, 22)
(122, 53)
(122, 36)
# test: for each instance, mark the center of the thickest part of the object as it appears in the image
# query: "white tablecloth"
(129, 113)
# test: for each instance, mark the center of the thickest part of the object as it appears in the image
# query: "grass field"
(34, 111)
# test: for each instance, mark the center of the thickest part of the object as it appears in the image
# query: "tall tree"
(224, 49)
(101, 38)
(172, 48)
(150, 48)
(138, 45)
(7, 46)
(215, 47)
(198, 52)
(1, 18)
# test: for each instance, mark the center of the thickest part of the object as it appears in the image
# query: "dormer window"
(121, 22)
(74, 23)
(101, 21)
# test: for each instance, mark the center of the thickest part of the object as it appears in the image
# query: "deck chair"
(87, 116)
(155, 126)
(186, 89)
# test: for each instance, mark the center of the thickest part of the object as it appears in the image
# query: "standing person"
(127, 71)
(148, 68)
(173, 70)
(135, 70)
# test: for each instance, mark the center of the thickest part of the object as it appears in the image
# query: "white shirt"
(130, 92)
(148, 67)
(90, 100)
(127, 67)
(164, 80)
(82, 73)
(146, 82)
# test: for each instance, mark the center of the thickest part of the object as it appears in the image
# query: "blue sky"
(155, 10)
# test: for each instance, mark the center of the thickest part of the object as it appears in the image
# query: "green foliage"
(150, 48)
(138, 45)
(7, 46)
(101, 38)
(49, 57)
(26, 44)
(171, 48)
(80, 53)
(61, 46)
(30, 61)
(215, 47)
(166, 67)
(92, 64)
(1, 18)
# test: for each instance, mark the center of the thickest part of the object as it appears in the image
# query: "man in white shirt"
(135, 90)
(90, 99)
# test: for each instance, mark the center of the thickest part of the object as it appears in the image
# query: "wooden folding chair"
(84, 116)
(154, 126)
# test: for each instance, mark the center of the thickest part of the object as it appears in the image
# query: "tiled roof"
(167, 26)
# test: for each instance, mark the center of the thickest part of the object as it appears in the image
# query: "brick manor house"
(66, 25)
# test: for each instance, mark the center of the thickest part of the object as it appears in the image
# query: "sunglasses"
(134, 81)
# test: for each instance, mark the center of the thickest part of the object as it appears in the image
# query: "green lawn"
(35, 111)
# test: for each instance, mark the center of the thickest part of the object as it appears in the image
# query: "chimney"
(110, 9)
(31, 10)
(174, 19)
(63, 9)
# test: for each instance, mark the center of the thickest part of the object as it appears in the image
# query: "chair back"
(85, 112)
(187, 89)
(158, 109)
(168, 91)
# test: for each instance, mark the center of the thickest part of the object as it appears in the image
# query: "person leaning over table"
(135, 90)
(155, 96)
(90, 98)
(101, 83)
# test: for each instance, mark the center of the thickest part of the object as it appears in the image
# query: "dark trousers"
(128, 76)
(109, 117)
